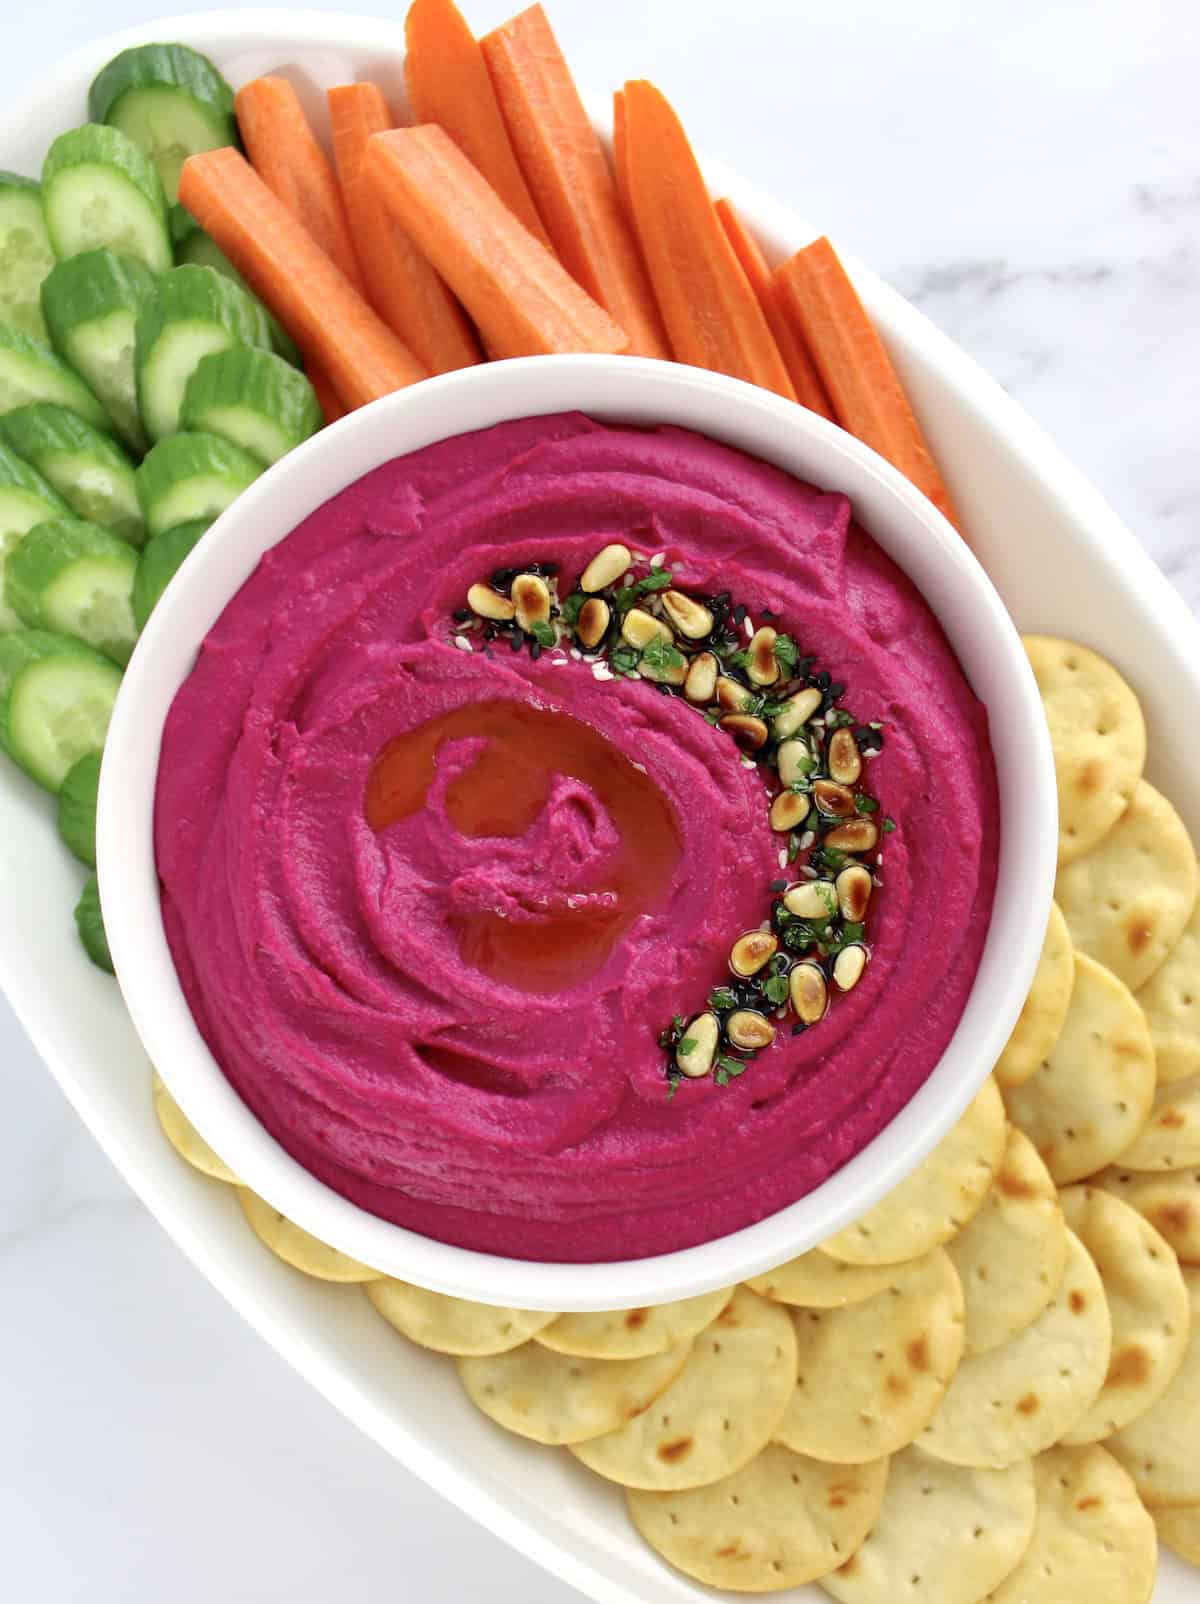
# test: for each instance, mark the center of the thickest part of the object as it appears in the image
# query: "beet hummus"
(449, 1009)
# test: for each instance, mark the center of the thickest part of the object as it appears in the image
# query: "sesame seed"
(783, 857)
(576, 653)
(808, 871)
(462, 643)
(748, 626)
(749, 763)
(807, 839)
(628, 580)
(599, 671)
(658, 559)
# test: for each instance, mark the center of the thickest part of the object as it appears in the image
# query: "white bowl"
(618, 388)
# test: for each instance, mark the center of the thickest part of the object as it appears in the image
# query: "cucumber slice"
(77, 808)
(193, 312)
(158, 564)
(193, 245)
(25, 254)
(25, 500)
(30, 371)
(99, 190)
(253, 398)
(171, 101)
(89, 921)
(91, 304)
(56, 699)
(187, 477)
(89, 470)
(76, 579)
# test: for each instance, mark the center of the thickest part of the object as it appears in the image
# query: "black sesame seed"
(516, 642)
(778, 885)
(502, 579)
(767, 612)
(535, 651)
(461, 614)
(835, 690)
(824, 680)
(798, 1030)
(739, 614)
(489, 632)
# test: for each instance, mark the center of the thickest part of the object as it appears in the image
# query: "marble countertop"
(1027, 173)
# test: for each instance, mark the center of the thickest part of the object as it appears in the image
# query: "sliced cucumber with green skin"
(30, 371)
(76, 579)
(160, 561)
(253, 398)
(91, 304)
(100, 191)
(56, 700)
(193, 245)
(189, 477)
(171, 101)
(77, 808)
(89, 921)
(90, 471)
(25, 500)
(193, 312)
(25, 254)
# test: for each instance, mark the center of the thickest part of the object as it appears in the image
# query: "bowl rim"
(334, 458)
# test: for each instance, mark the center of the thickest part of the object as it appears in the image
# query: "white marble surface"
(1026, 171)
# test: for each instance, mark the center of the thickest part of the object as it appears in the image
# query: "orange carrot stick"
(569, 177)
(448, 83)
(284, 266)
(806, 381)
(620, 155)
(401, 285)
(712, 315)
(327, 396)
(283, 151)
(522, 299)
(868, 399)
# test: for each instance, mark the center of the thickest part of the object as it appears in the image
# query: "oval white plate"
(1062, 561)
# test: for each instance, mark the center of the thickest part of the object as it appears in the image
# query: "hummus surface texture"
(407, 1008)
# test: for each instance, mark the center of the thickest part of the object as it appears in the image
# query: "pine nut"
(808, 992)
(691, 618)
(703, 1034)
(605, 568)
(641, 627)
(531, 596)
(592, 624)
(789, 810)
(811, 899)
(732, 695)
(845, 760)
(749, 733)
(488, 603)
(795, 761)
(795, 712)
(848, 967)
(749, 1030)
(854, 893)
(701, 682)
(835, 801)
(763, 666)
(750, 952)
(856, 835)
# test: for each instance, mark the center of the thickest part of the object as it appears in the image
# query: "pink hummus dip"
(327, 963)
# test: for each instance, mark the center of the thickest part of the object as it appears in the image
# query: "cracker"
(1170, 1138)
(815, 1281)
(633, 1333)
(1180, 1530)
(186, 1139)
(778, 1522)
(938, 1198)
(1148, 1303)
(1160, 1451)
(1098, 735)
(870, 1376)
(555, 1398)
(1092, 1538)
(1171, 1001)
(1128, 901)
(944, 1535)
(453, 1325)
(721, 1410)
(1170, 1200)
(1092, 1095)
(1010, 1257)
(1020, 1398)
(1045, 1009)
(296, 1247)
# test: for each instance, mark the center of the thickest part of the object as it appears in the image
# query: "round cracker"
(1160, 1449)
(1092, 1095)
(1098, 735)
(815, 1281)
(291, 1243)
(1171, 1001)
(556, 1398)
(721, 1410)
(453, 1325)
(633, 1333)
(778, 1522)
(938, 1198)
(1170, 1138)
(1170, 1200)
(1010, 1257)
(1128, 901)
(186, 1139)
(1020, 1398)
(1092, 1538)
(1147, 1301)
(1045, 1009)
(1180, 1530)
(944, 1533)
(870, 1376)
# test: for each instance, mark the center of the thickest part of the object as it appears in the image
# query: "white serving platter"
(1064, 564)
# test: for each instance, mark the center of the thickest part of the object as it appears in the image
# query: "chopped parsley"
(661, 656)
(544, 634)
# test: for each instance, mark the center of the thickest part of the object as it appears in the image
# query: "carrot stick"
(448, 83)
(522, 299)
(402, 287)
(806, 381)
(283, 151)
(620, 155)
(327, 396)
(569, 177)
(712, 315)
(284, 266)
(868, 399)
